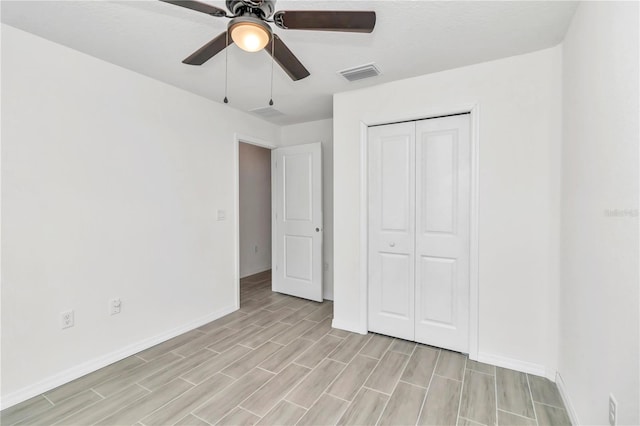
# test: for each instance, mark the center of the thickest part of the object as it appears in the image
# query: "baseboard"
(562, 388)
(85, 368)
(257, 271)
(514, 364)
(354, 328)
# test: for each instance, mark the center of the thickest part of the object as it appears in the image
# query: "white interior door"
(391, 183)
(297, 204)
(419, 182)
(443, 184)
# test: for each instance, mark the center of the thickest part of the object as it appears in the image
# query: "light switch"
(222, 215)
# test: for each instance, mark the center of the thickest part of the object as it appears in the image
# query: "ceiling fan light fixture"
(250, 34)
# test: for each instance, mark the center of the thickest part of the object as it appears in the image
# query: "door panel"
(438, 196)
(298, 257)
(298, 186)
(394, 187)
(438, 295)
(395, 274)
(392, 229)
(297, 201)
(443, 182)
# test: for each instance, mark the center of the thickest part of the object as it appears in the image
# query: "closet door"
(391, 183)
(443, 180)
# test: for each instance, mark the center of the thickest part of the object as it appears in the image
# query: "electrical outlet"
(613, 410)
(66, 319)
(326, 266)
(255, 248)
(114, 306)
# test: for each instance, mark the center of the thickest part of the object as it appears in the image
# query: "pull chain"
(273, 44)
(226, 68)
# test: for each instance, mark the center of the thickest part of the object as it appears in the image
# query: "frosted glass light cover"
(249, 37)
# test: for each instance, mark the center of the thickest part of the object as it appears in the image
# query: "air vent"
(361, 72)
(267, 112)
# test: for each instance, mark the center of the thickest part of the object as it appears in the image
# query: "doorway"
(254, 210)
(278, 219)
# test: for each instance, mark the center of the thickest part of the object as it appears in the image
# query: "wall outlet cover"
(114, 306)
(67, 319)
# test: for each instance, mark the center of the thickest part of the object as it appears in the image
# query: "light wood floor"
(278, 361)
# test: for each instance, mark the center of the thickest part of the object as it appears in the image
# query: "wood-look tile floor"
(277, 361)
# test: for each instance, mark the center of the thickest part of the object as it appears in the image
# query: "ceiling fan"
(249, 28)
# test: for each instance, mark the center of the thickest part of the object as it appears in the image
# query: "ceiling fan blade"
(209, 50)
(286, 59)
(198, 7)
(326, 20)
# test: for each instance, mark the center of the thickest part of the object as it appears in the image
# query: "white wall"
(255, 209)
(519, 138)
(598, 351)
(319, 131)
(110, 186)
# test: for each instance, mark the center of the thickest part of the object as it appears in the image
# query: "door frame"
(237, 139)
(474, 112)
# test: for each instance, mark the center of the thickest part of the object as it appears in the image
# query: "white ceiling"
(411, 38)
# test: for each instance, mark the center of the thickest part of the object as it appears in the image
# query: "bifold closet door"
(443, 184)
(391, 183)
(419, 213)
